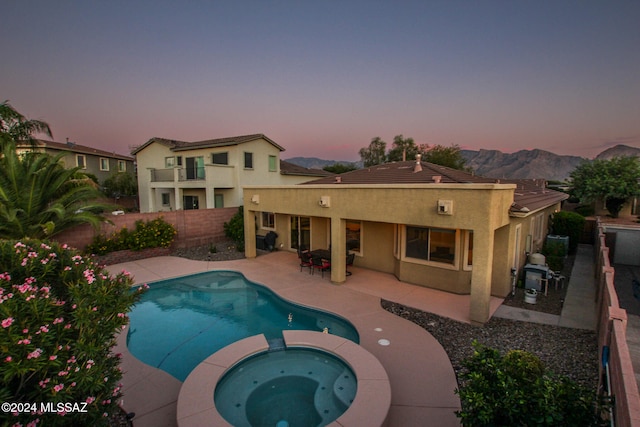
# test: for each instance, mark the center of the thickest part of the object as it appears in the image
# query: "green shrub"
(234, 229)
(60, 314)
(568, 224)
(554, 253)
(516, 390)
(156, 233)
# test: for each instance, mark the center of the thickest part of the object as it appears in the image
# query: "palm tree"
(39, 197)
(16, 127)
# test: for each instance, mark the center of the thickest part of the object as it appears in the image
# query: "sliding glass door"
(300, 232)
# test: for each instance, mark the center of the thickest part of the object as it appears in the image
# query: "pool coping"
(196, 407)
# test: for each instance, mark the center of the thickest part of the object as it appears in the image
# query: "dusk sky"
(322, 78)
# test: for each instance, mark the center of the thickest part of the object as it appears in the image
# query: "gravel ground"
(565, 351)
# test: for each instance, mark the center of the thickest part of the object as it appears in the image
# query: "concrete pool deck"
(420, 372)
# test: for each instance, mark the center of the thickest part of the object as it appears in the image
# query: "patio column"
(481, 277)
(338, 250)
(249, 233)
(177, 192)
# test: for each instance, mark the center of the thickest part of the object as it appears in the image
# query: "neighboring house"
(427, 224)
(100, 163)
(176, 175)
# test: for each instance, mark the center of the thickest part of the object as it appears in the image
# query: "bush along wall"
(568, 224)
(156, 233)
(517, 390)
(60, 314)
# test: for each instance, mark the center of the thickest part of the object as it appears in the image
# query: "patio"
(422, 378)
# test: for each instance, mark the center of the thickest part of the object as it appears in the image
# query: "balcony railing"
(214, 175)
(162, 175)
(191, 174)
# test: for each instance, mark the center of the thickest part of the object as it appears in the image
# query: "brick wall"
(195, 227)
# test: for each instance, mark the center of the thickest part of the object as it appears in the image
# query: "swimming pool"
(180, 322)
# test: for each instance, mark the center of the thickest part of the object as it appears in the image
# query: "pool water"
(180, 322)
(293, 387)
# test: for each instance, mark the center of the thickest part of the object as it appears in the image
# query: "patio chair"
(305, 260)
(320, 264)
(350, 259)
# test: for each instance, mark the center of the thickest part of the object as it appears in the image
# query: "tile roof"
(530, 195)
(287, 168)
(176, 145)
(82, 149)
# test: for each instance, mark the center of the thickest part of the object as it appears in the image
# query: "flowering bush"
(156, 233)
(59, 315)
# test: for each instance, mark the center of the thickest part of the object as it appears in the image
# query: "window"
(122, 166)
(431, 244)
(220, 158)
(179, 160)
(268, 220)
(81, 161)
(248, 160)
(166, 199)
(169, 162)
(353, 236)
(273, 164)
(104, 164)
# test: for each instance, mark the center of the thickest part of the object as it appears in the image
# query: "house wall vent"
(445, 207)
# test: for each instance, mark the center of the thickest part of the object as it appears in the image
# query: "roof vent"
(437, 179)
(418, 166)
(338, 179)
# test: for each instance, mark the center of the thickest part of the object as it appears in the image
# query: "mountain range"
(523, 164)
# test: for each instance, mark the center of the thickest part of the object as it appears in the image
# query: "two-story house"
(91, 160)
(175, 175)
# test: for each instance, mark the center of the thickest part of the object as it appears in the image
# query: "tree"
(120, 184)
(39, 197)
(375, 153)
(338, 168)
(402, 149)
(16, 127)
(613, 181)
(445, 156)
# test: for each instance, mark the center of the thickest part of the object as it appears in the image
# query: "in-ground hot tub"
(360, 392)
(286, 387)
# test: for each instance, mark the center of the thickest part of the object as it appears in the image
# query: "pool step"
(276, 344)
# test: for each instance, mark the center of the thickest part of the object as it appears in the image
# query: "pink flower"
(53, 357)
(63, 373)
(121, 315)
(34, 354)
(58, 320)
(8, 359)
(90, 363)
(90, 400)
(5, 276)
(7, 322)
(24, 341)
(89, 275)
(58, 387)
